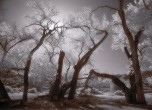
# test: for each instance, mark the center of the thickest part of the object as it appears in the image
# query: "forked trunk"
(28, 65)
(133, 43)
(80, 64)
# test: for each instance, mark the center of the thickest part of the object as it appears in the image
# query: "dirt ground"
(80, 103)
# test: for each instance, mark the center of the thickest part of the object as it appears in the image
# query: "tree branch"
(127, 52)
(104, 6)
(138, 36)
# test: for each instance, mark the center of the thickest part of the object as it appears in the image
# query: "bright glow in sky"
(105, 59)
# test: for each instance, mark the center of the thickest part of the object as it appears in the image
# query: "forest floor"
(96, 102)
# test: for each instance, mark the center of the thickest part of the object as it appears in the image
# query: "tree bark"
(55, 90)
(117, 82)
(133, 88)
(134, 52)
(4, 97)
(64, 89)
(74, 82)
(28, 65)
(80, 64)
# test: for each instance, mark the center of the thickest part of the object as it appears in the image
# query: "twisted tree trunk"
(129, 93)
(28, 65)
(133, 43)
(54, 93)
(80, 64)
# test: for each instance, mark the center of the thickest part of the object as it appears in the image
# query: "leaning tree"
(43, 24)
(90, 35)
(128, 27)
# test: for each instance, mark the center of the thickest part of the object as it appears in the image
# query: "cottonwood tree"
(66, 75)
(129, 25)
(129, 94)
(3, 93)
(10, 36)
(44, 69)
(55, 90)
(52, 50)
(4, 97)
(87, 42)
(43, 23)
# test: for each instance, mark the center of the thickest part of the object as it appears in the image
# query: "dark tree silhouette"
(55, 90)
(133, 45)
(129, 92)
(80, 64)
(46, 32)
(3, 94)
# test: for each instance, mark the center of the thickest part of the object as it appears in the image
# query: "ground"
(106, 101)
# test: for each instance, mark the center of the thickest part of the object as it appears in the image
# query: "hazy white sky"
(105, 59)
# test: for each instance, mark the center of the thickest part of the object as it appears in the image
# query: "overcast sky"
(105, 59)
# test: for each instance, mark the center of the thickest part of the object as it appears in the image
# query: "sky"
(105, 59)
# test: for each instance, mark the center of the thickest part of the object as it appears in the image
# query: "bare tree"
(3, 93)
(86, 46)
(81, 63)
(46, 27)
(10, 37)
(55, 90)
(133, 45)
(129, 92)
(134, 51)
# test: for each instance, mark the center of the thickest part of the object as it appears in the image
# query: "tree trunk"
(133, 98)
(26, 83)
(55, 90)
(128, 93)
(28, 65)
(80, 64)
(74, 83)
(4, 97)
(138, 78)
(64, 89)
(133, 43)
(133, 88)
